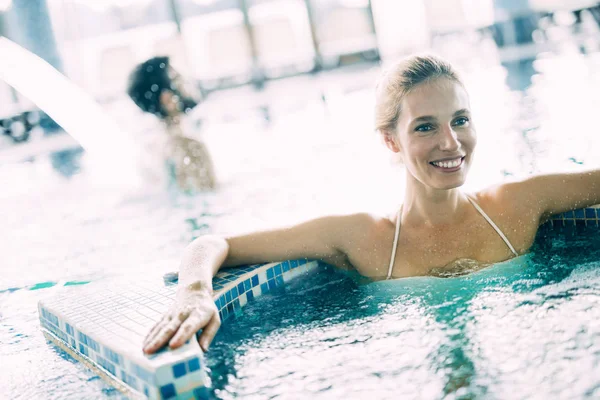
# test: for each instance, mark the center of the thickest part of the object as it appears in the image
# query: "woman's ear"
(391, 142)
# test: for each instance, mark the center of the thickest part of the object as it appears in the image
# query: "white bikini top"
(483, 214)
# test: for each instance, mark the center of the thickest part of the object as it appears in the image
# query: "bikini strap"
(489, 220)
(396, 235)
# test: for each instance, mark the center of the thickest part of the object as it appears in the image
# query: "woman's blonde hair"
(402, 77)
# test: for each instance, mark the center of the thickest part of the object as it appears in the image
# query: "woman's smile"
(448, 164)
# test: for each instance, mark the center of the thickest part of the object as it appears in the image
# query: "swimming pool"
(314, 159)
(521, 329)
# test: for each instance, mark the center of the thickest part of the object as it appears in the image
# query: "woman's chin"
(448, 184)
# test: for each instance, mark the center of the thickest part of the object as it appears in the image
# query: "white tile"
(262, 277)
(164, 375)
(243, 299)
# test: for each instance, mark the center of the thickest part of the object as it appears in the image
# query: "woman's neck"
(432, 207)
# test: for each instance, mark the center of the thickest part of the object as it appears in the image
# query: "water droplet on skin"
(186, 160)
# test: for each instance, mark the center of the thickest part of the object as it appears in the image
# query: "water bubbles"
(162, 65)
(148, 95)
(154, 87)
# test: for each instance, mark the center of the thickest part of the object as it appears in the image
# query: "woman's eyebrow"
(461, 111)
(428, 118)
(424, 118)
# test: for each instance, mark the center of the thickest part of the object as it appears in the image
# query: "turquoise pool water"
(60, 226)
(527, 328)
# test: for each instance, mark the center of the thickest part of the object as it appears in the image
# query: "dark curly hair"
(147, 81)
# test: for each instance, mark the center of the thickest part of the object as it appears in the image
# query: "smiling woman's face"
(435, 135)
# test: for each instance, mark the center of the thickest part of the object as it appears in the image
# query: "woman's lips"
(449, 165)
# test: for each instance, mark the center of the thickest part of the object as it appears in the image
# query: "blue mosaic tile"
(229, 308)
(569, 214)
(236, 304)
(234, 292)
(286, 266)
(580, 222)
(278, 270)
(168, 391)
(228, 297)
(279, 280)
(590, 213)
(250, 295)
(247, 285)
(146, 391)
(112, 356)
(50, 317)
(558, 223)
(240, 287)
(69, 329)
(293, 264)
(179, 370)
(254, 280)
(569, 222)
(264, 288)
(579, 213)
(107, 365)
(88, 341)
(201, 393)
(272, 284)
(130, 380)
(83, 350)
(270, 273)
(194, 364)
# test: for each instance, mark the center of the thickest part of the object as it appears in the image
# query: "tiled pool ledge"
(584, 217)
(103, 326)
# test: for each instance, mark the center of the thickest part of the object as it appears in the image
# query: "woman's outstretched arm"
(194, 309)
(556, 193)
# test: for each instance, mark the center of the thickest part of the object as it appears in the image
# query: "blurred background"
(225, 44)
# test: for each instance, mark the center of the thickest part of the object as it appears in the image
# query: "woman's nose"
(449, 139)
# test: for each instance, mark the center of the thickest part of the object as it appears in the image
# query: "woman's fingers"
(209, 331)
(193, 324)
(163, 335)
(164, 330)
(155, 329)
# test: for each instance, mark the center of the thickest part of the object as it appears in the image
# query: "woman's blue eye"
(424, 128)
(461, 121)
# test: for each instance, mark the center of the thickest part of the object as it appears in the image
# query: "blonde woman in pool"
(423, 114)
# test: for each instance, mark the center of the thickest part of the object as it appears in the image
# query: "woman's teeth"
(448, 164)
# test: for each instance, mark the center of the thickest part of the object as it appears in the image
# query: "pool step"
(103, 326)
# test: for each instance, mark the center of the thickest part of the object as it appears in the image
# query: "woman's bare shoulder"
(504, 195)
(511, 201)
(361, 228)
